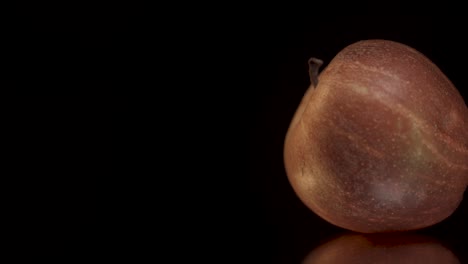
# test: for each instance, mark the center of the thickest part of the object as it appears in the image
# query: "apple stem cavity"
(314, 66)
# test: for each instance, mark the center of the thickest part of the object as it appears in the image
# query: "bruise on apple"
(380, 142)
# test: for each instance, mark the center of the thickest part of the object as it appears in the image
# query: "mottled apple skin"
(381, 143)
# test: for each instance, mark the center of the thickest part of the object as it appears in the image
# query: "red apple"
(379, 142)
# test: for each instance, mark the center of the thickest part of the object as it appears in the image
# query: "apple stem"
(314, 66)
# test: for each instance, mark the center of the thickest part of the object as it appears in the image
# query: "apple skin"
(380, 144)
(394, 248)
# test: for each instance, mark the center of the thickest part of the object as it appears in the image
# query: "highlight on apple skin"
(379, 142)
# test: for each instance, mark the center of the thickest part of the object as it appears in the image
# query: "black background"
(271, 68)
(237, 77)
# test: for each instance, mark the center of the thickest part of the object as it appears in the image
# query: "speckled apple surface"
(380, 143)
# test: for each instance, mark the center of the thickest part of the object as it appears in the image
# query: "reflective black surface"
(381, 248)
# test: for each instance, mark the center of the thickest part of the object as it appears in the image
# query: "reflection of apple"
(381, 248)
